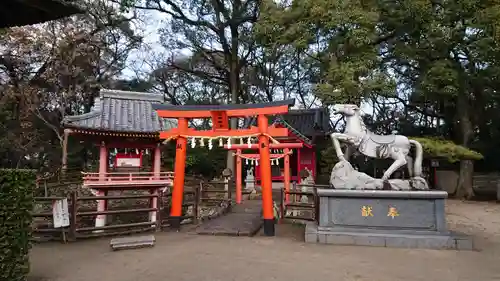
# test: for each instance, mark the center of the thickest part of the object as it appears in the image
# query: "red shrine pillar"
(103, 161)
(157, 176)
(157, 161)
(103, 169)
(265, 176)
(179, 170)
(287, 174)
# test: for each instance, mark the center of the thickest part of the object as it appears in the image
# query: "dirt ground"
(182, 256)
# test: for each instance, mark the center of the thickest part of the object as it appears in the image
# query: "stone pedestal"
(414, 219)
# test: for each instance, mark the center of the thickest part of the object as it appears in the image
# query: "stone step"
(132, 242)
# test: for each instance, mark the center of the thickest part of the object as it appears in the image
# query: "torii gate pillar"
(266, 180)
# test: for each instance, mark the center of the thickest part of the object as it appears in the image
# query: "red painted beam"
(271, 146)
(257, 156)
(240, 133)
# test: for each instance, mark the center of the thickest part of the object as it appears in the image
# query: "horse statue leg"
(409, 165)
(399, 161)
(336, 138)
(349, 150)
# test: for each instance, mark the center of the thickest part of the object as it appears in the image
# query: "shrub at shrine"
(16, 203)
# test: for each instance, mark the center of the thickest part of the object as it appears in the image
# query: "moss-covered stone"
(16, 204)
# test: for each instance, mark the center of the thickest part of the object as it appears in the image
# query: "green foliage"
(440, 148)
(199, 160)
(202, 161)
(341, 41)
(16, 204)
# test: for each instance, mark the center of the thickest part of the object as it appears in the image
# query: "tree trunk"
(234, 85)
(464, 184)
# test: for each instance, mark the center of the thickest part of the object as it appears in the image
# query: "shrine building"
(307, 126)
(125, 125)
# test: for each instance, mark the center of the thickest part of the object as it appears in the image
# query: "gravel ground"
(182, 256)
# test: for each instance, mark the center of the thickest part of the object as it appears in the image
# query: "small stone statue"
(250, 181)
(227, 174)
(307, 179)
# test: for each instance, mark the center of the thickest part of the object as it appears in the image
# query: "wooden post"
(316, 203)
(103, 169)
(282, 204)
(156, 176)
(197, 196)
(265, 176)
(238, 176)
(295, 189)
(159, 207)
(299, 166)
(179, 170)
(287, 174)
(74, 215)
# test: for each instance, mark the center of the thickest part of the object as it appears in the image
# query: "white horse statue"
(372, 145)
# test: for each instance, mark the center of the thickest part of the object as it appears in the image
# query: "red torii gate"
(286, 155)
(220, 115)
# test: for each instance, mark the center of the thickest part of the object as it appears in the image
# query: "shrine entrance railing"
(119, 178)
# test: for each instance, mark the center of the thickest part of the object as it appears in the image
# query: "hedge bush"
(446, 149)
(16, 204)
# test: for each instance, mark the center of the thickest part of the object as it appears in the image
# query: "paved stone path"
(243, 220)
(181, 257)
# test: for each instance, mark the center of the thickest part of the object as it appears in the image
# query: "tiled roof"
(27, 12)
(306, 122)
(122, 111)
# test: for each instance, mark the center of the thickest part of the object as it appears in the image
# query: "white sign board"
(128, 162)
(60, 213)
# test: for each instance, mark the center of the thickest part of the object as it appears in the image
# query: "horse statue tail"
(417, 167)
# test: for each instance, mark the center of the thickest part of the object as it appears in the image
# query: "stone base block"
(367, 237)
(132, 242)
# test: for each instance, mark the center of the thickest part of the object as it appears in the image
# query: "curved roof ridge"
(129, 95)
(83, 116)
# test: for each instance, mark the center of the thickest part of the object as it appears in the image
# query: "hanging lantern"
(202, 142)
(136, 151)
(210, 144)
(249, 142)
(246, 161)
(116, 151)
(256, 162)
(147, 151)
(221, 143)
(229, 142)
(241, 140)
(193, 142)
